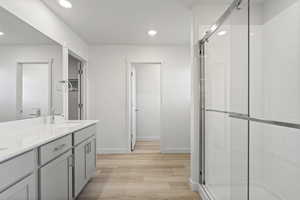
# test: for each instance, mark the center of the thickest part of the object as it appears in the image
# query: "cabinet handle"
(88, 148)
(95, 153)
(60, 147)
(71, 161)
(85, 153)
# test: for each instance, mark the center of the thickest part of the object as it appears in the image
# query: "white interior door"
(33, 90)
(133, 108)
(148, 100)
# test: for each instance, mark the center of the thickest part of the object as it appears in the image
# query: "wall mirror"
(30, 71)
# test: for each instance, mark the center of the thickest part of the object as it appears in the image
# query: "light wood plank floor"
(143, 175)
(147, 147)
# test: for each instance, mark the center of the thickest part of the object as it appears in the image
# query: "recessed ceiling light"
(152, 33)
(65, 3)
(222, 33)
(1, 33)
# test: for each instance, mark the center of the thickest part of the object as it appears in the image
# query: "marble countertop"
(21, 136)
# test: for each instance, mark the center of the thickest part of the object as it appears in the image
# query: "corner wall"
(108, 97)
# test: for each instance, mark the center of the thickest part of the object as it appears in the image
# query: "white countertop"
(21, 136)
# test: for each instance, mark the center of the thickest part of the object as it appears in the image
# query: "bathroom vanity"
(46, 161)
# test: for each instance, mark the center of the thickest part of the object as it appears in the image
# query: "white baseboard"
(196, 187)
(112, 151)
(153, 138)
(125, 151)
(176, 150)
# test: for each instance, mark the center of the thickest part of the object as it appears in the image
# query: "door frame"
(129, 66)
(19, 90)
(83, 85)
(80, 110)
(132, 74)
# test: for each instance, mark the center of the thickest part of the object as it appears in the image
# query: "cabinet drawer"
(84, 134)
(54, 149)
(15, 169)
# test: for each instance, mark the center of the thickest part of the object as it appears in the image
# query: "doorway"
(34, 89)
(75, 91)
(145, 87)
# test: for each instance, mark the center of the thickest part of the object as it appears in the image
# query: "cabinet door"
(56, 179)
(80, 167)
(91, 158)
(24, 190)
(84, 164)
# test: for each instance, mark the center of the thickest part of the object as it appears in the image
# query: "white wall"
(108, 99)
(9, 56)
(38, 15)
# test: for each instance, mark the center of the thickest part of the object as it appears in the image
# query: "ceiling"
(127, 21)
(18, 32)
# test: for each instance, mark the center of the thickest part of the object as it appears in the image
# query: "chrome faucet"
(37, 112)
(52, 116)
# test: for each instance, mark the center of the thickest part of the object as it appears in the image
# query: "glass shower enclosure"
(250, 102)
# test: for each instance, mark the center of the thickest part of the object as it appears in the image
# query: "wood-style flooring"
(146, 147)
(142, 175)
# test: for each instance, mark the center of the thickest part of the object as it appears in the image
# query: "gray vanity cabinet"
(84, 158)
(56, 178)
(17, 178)
(57, 170)
(84, 164)
(23, 190)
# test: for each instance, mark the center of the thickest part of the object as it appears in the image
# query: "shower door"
(275, 100)
(225, 94)
(250, 103)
